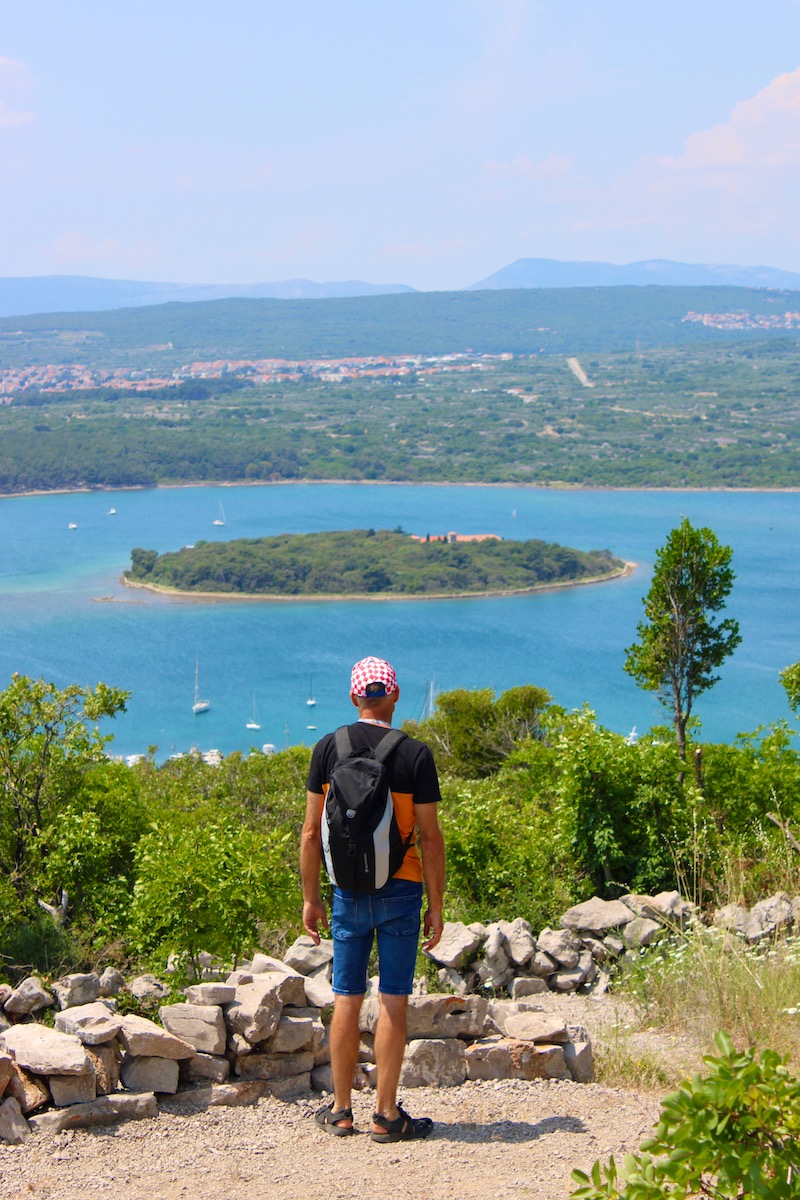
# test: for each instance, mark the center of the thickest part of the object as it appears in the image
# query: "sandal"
(328, 1120)
(403, 1128)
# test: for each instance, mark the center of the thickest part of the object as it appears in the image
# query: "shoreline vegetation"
(552, 486)
(367, 565)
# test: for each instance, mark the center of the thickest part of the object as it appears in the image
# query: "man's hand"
(314, 915)
(432, 929)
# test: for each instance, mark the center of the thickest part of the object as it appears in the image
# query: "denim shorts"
(394, 914)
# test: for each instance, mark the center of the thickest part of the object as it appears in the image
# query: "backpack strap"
(387, 744)
(344, 747)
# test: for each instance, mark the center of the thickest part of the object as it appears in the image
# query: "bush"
(729, 1134)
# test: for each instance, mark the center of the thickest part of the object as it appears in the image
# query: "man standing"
(393, 913)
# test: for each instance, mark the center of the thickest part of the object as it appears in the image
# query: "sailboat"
(311, 701)
(199, 706)
(221, 518)
(253, 722)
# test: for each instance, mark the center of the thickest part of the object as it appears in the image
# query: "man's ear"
(354, 699)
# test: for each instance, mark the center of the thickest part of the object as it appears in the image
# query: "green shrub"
(731, 1133)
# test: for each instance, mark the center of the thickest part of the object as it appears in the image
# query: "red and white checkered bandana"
(372, 671)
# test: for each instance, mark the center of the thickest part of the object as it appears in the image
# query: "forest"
(367, 562)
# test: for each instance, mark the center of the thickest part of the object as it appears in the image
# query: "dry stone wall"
(264, 1028)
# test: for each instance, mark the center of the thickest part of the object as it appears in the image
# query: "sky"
(425, 142)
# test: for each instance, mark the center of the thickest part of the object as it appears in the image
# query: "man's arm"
(310, 863)
(431, 845)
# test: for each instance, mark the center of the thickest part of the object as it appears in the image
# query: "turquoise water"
(570, 642)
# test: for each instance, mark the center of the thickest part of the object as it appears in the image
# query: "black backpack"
(361, 843)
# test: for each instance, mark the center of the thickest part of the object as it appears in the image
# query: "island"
(368, 563)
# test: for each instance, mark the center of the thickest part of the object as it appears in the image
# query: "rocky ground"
(497, 1140)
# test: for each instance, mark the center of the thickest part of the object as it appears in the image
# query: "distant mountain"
(551, 273)
(80, 293)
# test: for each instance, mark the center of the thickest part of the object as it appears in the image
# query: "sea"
(66, 616)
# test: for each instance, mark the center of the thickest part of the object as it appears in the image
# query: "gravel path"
(491, 1141)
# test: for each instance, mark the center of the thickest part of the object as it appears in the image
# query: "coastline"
(553, 486)
(257, 597)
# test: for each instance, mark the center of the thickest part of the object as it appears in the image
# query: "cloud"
(75, 247)
(733, 188)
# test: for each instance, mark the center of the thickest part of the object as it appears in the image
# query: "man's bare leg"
(390, 1044)
(345, 1040)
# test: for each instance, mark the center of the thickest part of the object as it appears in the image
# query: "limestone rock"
(597, 916)
(150, 1074)
(542, 965)
(142, 1037)
(201, 1025)
(318, 990)
(147, 987)
(13, 1126)
(202, 1067)
(296, 1032)
(641, 931)
(72, 990)
(6, 1062)
(30, 1091)
(523, 986)
(434, 1062)
(105, 1110)
(255, 1012)
(436, 1016)
(456, 945)
(28, 997)
(673, 908)
(289, 1088)
(264, 964)
(535, 1027)
(106, 1062)
(45, 1051)
(289, 986)
(273, 1066)
(732, 918)
(73, 1089)
(322, 1077)
(304, 956)
(519, 940)
(111, 982)
(579, 1060)
(210, 993)
(508, 1059)
(768, 917)
(93, 1023)
(226, 1095)
(560, 944)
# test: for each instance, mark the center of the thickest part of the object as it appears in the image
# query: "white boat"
(311, 701)
(112, 512)
(221, 518)
(253, 722)
(72, 525)
(199, 706)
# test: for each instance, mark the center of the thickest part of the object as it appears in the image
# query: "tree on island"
(680, 645)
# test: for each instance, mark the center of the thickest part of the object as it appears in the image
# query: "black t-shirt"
(412, 779)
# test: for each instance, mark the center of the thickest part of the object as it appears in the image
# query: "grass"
(706, 980)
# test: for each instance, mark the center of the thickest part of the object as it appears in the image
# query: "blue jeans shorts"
(393, 914)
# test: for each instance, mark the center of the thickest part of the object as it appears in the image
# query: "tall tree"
(790, 678)
(680, 644)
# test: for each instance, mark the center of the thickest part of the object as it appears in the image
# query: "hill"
(522, 322)
(363, 562)
(81, 293)
(551, 273)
